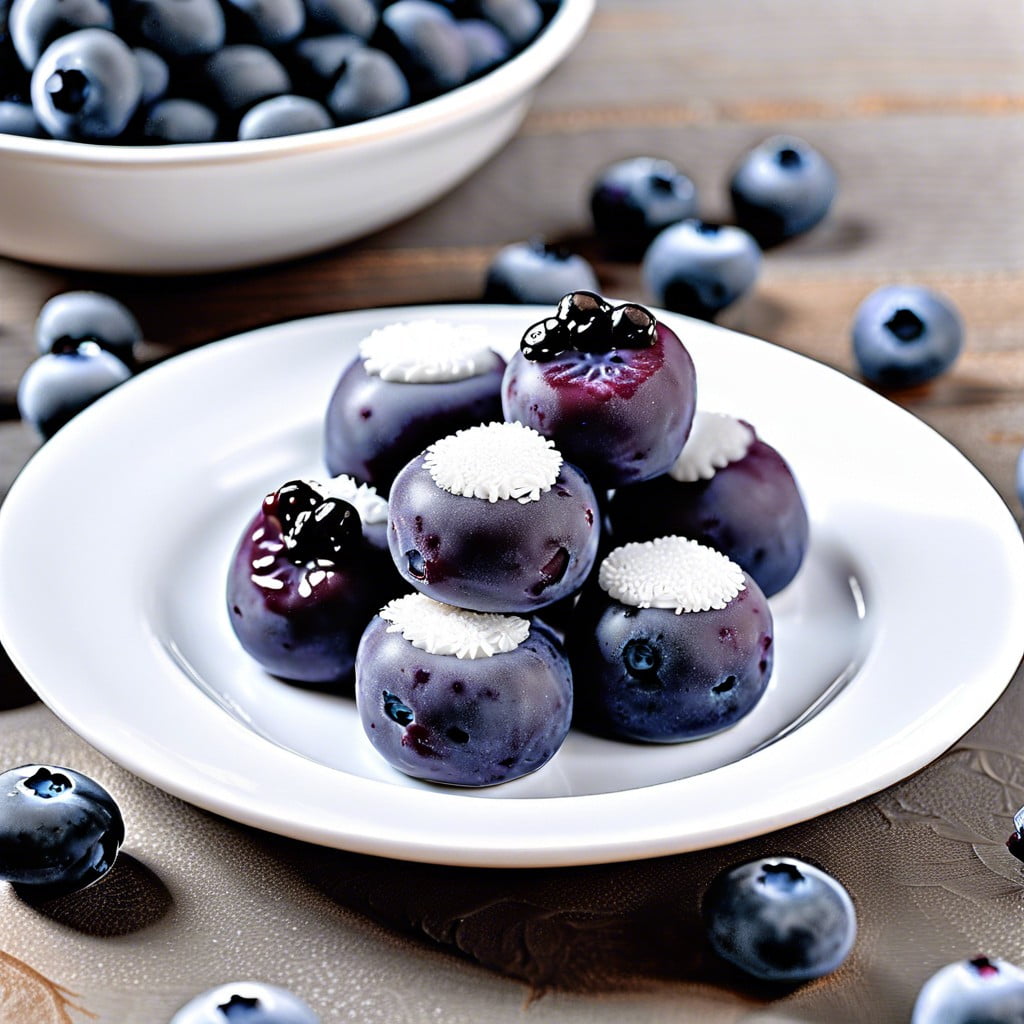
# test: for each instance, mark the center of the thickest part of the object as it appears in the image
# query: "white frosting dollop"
(427, 352)
(495, 461)
(670, 572)
(440, 628)
(715, 440)
(372, 508)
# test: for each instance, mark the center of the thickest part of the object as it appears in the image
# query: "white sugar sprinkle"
(715, 440)
(427, 352)
(495, 461)
(443, 629)
(670, 572)
(372, 508)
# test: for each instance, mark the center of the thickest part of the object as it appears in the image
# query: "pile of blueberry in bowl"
(195, 135)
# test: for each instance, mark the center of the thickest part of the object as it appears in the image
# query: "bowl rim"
(510, 79)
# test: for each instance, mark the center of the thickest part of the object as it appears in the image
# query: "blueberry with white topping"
(634, 199)
(672, 642)
(492, 519)
(246, 1002)
(727, 489)
(60, 831)
(613, 388)
(982, 990)
(460, 697)
(699, 269)
(906, 334)
(780, 919)
(781, 188)
(303, 583)
(533, 272)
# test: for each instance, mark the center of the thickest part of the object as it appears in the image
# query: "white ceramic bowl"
(226, 205)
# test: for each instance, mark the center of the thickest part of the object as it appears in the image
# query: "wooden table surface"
(920, 106)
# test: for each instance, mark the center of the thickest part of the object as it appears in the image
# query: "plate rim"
(492, 849)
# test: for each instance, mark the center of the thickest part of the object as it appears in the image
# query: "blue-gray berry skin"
(246, 1002)
(69, 318)
(780, 919)
(34, 24)
(488, 46)
(241, 75)
(59, 830)
(519, 20)
(265, 22)
(57, 387)
(86, 86)
(20, 119)
(906, 334)
(284, 115)
(368, 83)
(978, 991)
(699, 269)
(315, 62)
(781, 188)
(176, 121)
(634, 199)
(425, 40)
(357, 18)
(533, 272)
(176, 28)
(156, 75)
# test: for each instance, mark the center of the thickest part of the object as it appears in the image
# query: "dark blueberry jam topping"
(584, 322)
(313, 527)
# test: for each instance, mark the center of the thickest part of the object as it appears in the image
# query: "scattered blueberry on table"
(698, 269)
(781, 188)
(780, 919)
(69, 318)
(906, 334)
(982, 990)
(634, 199)
(246, 1002)
(60, 831)
(536, 272)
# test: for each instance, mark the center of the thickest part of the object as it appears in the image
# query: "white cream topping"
(427, 352)
(670, 572)
(440, 628)
(715, 440)
(372, 508)
(495, 461)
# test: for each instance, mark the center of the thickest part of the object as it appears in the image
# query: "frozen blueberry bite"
(410, 384)
(727, 489)
(494, 520)
(461, 697)
(614, 388)
(673, 643)
(307, 576)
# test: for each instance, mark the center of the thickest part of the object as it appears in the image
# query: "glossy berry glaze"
(375, 426)
(616, 397)
(465, 722)
(502, 556)
(750, 510)
(652, 675)
(303, 584)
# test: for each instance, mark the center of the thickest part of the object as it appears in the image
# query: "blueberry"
(58, 386)
(368, 83)
(519, 20)
(425, 40)
(174, 121)
(242, 76)
(633, 200)
(265, 22)
(316, 61)
(59, 830)
(245, 1002)
(70, 318)
(487, 45)
(19, 119)
(86, 86)
(534, 272)
(156, 75)
(176, 28)
(780, 919)
(34, 24)
(905, 335)
(781, 188)
(352, 17)
(284, 115)
(978, 991)
(699, 269)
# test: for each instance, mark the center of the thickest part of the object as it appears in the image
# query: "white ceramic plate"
(903, 627)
